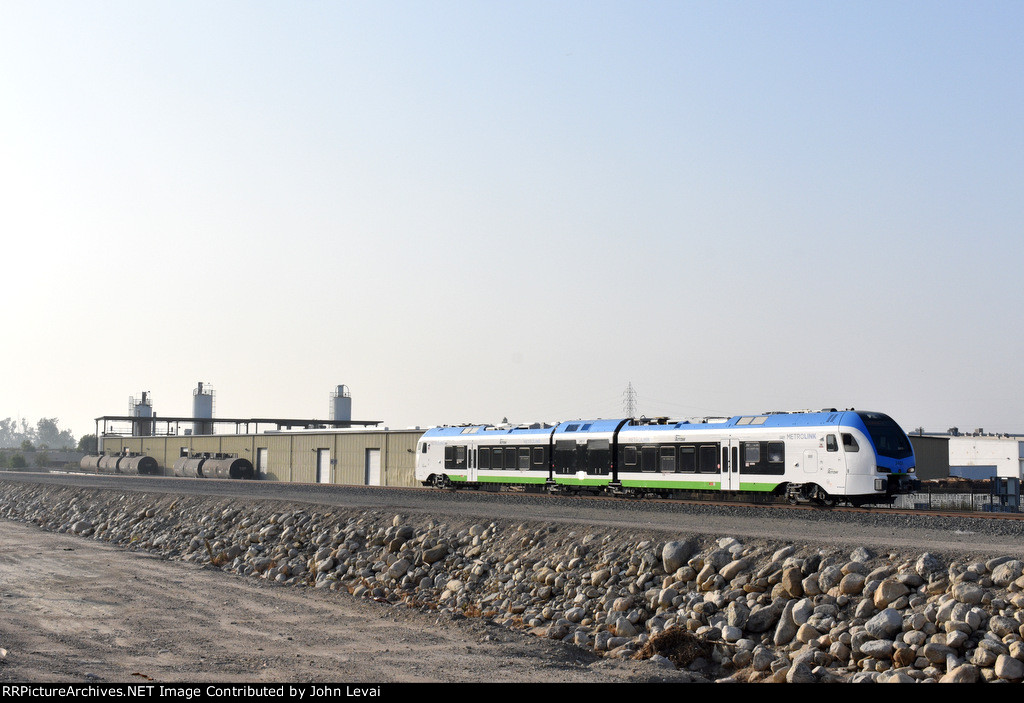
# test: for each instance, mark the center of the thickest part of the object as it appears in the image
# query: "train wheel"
(441, 481)
(823, 497)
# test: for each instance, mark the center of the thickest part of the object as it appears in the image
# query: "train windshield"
(889, 439)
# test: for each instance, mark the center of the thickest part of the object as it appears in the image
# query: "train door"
(831, 464)
(730, 465)
(565, 456)
(599, 457)
(472, 470)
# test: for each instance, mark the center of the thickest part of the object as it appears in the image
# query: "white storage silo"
(202, 408)
(142, 408)
(341, 404)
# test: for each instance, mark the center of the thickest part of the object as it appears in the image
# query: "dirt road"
(77, 610)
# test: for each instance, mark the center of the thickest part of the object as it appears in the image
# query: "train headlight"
(879, 484)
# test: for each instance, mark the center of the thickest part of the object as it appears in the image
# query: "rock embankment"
(714, 606)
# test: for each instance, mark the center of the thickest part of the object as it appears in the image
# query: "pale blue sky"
(473, 210)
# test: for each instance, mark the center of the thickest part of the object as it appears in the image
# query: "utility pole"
(629, 400)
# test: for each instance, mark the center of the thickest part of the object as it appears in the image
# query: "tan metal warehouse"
(351, 457)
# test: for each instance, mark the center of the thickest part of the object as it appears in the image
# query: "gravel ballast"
(713, 606)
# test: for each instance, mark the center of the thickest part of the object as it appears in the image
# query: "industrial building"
(975, 455)
(357, 457)
(339, 450)
(931, 452)
(981, 455)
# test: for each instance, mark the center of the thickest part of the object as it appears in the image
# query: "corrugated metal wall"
(291, 456)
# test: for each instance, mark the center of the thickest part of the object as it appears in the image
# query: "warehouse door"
(261, 461)
(323, 465)
(373, 467)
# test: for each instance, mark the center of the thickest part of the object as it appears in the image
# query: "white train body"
(832, 455)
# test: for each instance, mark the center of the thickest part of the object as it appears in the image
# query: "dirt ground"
(77, 610)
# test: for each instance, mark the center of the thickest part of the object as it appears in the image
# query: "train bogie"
(821, 457)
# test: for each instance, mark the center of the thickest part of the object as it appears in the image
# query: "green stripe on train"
(698, 485)
(515, 480)
(675, 485)
(582, 481)
(762, 487)
(565, 481)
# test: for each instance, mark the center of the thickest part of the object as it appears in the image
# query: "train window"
(744, 421)
(496, 458)
(629, 456)
(667, 460)
(454, 457)
(762, 457)
(538, 457)
(572, 428)
(510, 458)
(886, 436)
(585, 427)
(485, 458)
(648, 458)
(831, 444)
(759, 420)
(708, 456)
(850, 443)
(424, 450)
(751, 453)
(524, 458)
(688, 460)
(470, 430)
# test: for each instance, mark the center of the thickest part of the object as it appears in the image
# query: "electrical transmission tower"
(629, 400)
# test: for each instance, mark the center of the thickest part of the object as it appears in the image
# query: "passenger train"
(821, 457)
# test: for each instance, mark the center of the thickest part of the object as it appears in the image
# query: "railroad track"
(881, 528)
(315, 492)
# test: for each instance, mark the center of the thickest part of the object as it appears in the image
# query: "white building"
(985, 456)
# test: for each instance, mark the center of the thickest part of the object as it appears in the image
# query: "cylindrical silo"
(341, 404)
(202, 407)
(142, 409)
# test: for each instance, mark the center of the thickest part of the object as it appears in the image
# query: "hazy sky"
(473, 210)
